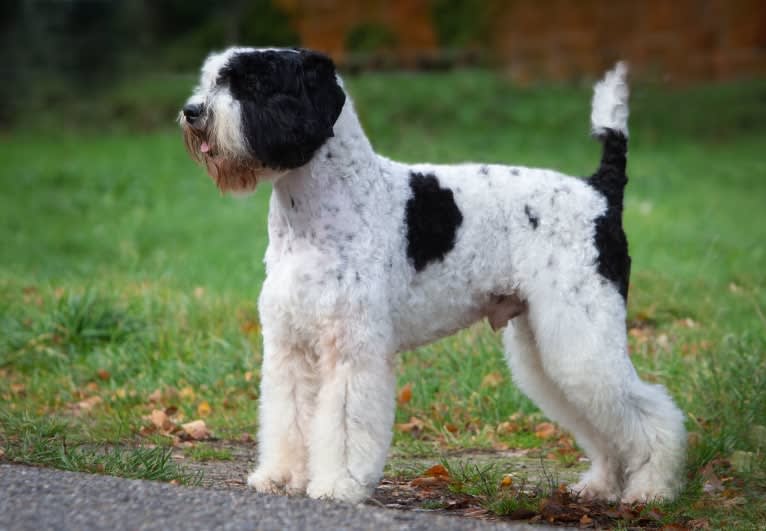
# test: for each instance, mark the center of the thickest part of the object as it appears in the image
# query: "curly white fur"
(341, 298)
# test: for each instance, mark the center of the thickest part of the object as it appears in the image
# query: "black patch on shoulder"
(290, 101)
(533, 219)
(432, 220)
(612, 244)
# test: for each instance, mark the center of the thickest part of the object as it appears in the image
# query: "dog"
(368, 257)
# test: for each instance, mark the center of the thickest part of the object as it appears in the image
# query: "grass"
(125, 276)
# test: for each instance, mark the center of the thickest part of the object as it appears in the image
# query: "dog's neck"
(329, 191)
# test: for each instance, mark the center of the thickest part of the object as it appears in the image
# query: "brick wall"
(677, 40)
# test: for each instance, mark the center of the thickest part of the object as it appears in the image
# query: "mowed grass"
(128, 284)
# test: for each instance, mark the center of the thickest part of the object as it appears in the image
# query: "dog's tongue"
(204, 147)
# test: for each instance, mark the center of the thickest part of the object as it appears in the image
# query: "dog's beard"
(230, 173)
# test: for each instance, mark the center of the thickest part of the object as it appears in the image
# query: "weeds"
(44, 441)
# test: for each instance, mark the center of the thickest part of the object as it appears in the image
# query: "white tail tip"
(610, 102)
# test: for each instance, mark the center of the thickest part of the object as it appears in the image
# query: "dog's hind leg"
(288, 391)
(603, 479)
(351, 429)
(583, 350)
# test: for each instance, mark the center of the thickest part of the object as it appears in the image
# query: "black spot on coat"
(612, 244)
(289, 100)
(533, 219)
(432, 220)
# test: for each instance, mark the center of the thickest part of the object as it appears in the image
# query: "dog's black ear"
(290, 102)
(322, 87)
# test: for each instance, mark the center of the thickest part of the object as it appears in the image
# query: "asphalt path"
(40, 498)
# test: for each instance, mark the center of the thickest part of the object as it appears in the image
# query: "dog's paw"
(267, 482)
(344, 489)
(596, 487)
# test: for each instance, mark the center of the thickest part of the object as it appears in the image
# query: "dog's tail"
(609, 124)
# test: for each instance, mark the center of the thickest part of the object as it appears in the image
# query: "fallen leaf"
(160, 420)
(493, 379)
(545, 430)
(18, 389)
(196, 429)
(711, 483)
(499, 446)
(414, 425)
(92, 387)
(698, 523)
(586, 520)
(121, 393)
(84, 406)
(429, 482)
(507, 481)
(450, 427)
(103, 374)
(204, 409)
(155, 396)
(249, 327)
(507, 427)
(405, 394)
(187, 393)
(437, 471)
(248, 376)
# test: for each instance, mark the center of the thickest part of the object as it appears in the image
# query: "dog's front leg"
(351, 429)
(288, 393)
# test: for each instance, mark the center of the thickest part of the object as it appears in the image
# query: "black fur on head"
(289, 99)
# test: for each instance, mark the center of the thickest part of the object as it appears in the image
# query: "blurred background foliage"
(68, 56)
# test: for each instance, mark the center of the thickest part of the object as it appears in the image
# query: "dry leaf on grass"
(187, 393)
(405, 394)
(204, 409)
(545, 430)
(493, 379)
(414, 425)
(196, 430)
(155, 396)
(103, 374)
(18, 389)
(86, 405)
(436, 476)
(161, 421)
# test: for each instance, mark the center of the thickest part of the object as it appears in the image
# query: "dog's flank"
(368, 257)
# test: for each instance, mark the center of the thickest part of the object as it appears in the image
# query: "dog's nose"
(192, 111)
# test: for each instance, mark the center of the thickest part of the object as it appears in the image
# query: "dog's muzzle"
(230, 173)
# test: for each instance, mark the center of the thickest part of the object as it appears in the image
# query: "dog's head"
(258, 113)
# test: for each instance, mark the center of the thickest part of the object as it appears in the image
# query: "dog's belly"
(427, 317)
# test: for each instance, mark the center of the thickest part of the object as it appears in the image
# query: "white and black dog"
(368, 257)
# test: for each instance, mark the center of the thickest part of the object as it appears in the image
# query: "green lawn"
(123, 272)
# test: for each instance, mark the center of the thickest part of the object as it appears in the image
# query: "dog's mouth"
(230, 173)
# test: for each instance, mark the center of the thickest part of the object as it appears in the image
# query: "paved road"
(37, 498)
